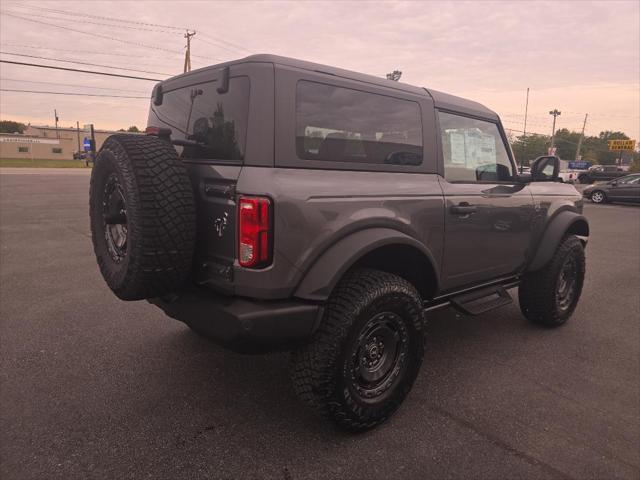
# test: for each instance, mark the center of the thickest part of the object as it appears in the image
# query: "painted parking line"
(44, 171)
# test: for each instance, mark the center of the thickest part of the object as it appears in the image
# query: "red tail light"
(254, 233)
(158, 131)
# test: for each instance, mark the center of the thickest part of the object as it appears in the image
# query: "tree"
(597, 148)
(566, 143)
(9, 126)
(133, 129)
(527, 148)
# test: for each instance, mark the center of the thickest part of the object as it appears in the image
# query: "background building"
(49, 143)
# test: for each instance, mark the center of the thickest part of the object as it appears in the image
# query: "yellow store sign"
(622, 144)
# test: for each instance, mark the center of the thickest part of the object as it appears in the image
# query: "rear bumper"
(242, 324)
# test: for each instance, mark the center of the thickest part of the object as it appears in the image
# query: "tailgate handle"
(212, 189)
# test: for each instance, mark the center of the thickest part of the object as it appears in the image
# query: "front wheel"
(549, 296)
(598, 196)
(366, 353)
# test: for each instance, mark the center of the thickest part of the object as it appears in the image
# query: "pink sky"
(578, 57)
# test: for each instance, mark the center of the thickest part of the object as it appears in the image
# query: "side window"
(473, 150)
(547, 171)
(344, 125)
(631, 180)
(211, 125)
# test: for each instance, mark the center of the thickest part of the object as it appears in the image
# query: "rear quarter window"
(340, 124)
(209, 124)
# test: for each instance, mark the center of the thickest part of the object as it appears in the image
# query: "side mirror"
(614, 183)
(545, 169)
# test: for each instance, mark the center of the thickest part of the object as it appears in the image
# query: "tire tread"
(161, 215)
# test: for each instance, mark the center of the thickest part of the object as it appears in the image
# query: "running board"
(481, 301)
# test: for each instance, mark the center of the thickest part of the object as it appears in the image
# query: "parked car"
(568, 176)
(623, 189)
(328, 213)
(600, 173)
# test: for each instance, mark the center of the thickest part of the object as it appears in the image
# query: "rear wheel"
(366, 353)
(550, 295)
(598, 196)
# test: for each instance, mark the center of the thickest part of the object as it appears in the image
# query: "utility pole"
(555, 112)
(187, 55)
(581, 137)
(78, 132)
(526, 111)
(524, 132)
(55, 114)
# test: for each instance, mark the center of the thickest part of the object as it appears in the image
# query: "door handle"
(463, 209)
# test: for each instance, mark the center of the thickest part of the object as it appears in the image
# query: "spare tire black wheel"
(143, 219)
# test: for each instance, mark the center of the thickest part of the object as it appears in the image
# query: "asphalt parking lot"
(92, 387)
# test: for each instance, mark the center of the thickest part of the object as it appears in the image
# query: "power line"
(86, 15)
(83, 63)
(93, 34)
(80, 52)
(69, 85)
(49, 17)
(68, 50)
(132, 22)
(220, 44)
(69, 93)
(217, 45)
(78, 70)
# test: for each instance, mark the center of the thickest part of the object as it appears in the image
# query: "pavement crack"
(498, 442)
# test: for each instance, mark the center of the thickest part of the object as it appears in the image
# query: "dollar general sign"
(621, 144)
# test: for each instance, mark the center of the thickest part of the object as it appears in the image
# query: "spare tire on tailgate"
(143, 220)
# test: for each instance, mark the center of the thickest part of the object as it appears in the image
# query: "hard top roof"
(441, 100)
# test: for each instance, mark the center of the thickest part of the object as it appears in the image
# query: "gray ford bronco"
(281, 204)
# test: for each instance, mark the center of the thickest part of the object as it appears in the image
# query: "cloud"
(576, 56)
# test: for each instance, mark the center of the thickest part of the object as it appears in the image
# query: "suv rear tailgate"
(214, 188)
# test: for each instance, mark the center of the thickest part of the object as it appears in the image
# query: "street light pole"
(555, 112)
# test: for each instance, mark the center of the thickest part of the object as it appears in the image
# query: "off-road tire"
(160, 224)
(538, 292)
(321, 370)
(602, 198)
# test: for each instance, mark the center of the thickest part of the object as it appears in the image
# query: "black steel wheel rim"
(379, 356)
(567, 281)
(114, 217)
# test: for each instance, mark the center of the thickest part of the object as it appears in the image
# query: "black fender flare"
(319, 281)
(562, 223)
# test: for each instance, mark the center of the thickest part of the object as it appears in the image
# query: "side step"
(482, 301)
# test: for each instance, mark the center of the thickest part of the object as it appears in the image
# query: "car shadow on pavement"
(225, 389)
